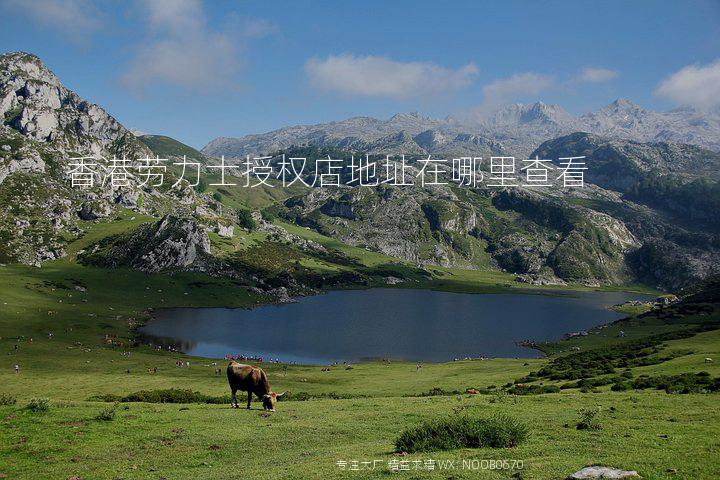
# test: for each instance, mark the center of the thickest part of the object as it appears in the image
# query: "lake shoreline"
(584, 304)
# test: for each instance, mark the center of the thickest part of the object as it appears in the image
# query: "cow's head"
(270, 400)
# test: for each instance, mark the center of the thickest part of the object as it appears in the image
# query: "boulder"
(93, 212)
(128, 199)
(603, 472)
(225, 230)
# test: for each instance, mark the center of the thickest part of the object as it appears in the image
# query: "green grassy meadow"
(92, 312)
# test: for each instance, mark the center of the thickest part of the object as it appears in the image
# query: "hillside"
(93, 321)
(167, 147)
(642, 200)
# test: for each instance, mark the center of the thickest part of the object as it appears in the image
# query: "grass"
(349, 415)
(302, 439)
(169, 147)
(306, 439)
(462, 431)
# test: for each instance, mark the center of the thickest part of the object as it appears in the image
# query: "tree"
(245, 220)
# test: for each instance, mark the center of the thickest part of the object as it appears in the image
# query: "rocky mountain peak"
(625, 104)
(406, 116)
(519, 114)
(429, 139)
(26, 65)
(35, 103)
(624, 119)
(542, 112)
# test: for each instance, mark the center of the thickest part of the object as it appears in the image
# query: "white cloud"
(521, 84)
(258, 28)
(695, 85)
(372, 76)
(74, 19)
(591, 74)
(182, 49)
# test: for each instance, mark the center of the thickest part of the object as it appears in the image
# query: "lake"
(414, 325)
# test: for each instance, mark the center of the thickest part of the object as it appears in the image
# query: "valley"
(82, 270)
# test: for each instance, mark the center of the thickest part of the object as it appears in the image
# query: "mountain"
(357, 133)
(34, 103)
(514, 130)
(144, 227)
(669, 200)
(619, 164)
(648, 211)
(537, 119)
(623, 119)
(44, 125)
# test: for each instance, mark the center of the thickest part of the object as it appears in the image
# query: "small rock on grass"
(603, 472)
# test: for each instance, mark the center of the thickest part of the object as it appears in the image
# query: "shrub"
(588, 419)
(533, 389)
(38, 405)
(245, 220)
(268, 216)
(682, 383)
(172, 395)
(595, 382)
(621, 387)
(462, 432)
(107, 414)
(7, 399)
(604, 361)
(301, 396)
(201, 186)
(439, 392)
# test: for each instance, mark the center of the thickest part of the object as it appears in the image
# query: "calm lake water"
(415, 325)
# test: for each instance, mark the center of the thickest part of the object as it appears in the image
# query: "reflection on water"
(416, 325)
(169, 343)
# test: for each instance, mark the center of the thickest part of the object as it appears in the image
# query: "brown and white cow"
(252, 380)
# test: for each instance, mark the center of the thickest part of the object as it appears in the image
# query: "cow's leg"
(249, 399)
(233, 401)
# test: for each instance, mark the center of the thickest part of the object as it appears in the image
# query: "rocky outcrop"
(44, 124)
(94, 210)
(35, 103)
(516, 253)
(30, 164)
(173, 243)
(227, 231)
(338, 208)
(128, 199)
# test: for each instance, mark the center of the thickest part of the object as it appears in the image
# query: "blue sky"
(196, 70)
